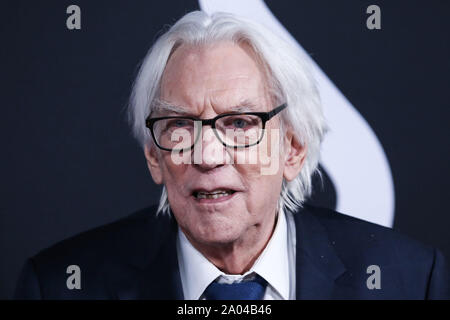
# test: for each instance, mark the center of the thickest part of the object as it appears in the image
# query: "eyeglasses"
(234, 130)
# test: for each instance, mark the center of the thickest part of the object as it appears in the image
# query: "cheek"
(266, 186)
(173, 174)
(262, 189)
(264, 161)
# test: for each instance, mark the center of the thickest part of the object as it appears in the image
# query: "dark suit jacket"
(135, 258)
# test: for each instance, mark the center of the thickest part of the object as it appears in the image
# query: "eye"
(179, 123)
(239, 123)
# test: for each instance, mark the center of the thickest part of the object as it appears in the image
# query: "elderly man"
(231, 124)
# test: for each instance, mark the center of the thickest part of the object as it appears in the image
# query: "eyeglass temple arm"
(276, 111)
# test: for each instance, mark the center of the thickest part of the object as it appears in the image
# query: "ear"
(153, 164)
(295, 155)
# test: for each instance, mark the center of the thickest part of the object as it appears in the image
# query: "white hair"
(287, 72)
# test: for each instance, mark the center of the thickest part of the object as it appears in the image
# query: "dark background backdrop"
(68, 162)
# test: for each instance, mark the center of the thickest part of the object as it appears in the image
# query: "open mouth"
(216, 194)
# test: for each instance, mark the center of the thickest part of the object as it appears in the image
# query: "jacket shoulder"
(99, 253)
(406, 268)
(356, 237)
(100, 240)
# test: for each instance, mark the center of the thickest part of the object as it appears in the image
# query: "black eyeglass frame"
(265, 116)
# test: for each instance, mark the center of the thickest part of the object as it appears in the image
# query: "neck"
(239, 256)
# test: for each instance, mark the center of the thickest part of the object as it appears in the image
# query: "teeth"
(212, 195)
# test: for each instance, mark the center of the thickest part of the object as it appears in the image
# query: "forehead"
(218, 75)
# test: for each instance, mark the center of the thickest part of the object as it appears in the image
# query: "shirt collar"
(273, 264)
(196, 271)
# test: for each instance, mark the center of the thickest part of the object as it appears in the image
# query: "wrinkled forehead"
(223, 75)
(161, 107)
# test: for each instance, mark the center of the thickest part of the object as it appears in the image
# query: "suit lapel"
(149, 268)
(318, 265)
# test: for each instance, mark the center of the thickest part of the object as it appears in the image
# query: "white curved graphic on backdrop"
(351, 153)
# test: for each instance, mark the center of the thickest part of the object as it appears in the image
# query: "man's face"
(206, 82)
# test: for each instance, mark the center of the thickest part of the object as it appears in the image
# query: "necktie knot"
(246, 290)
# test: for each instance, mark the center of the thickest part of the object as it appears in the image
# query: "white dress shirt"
(276, 265)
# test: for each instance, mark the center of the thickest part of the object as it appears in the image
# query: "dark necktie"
(245, 290)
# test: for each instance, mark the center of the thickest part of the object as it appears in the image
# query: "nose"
(214, 153)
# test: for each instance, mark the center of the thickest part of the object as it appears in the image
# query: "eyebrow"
(245, 105)
(161, 107)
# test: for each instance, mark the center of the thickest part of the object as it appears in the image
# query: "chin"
(218, 236)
